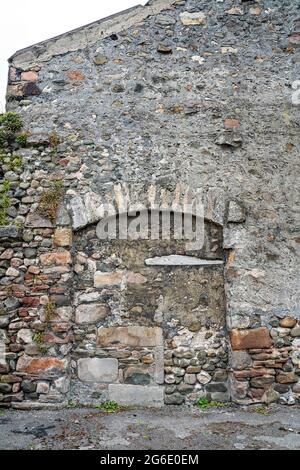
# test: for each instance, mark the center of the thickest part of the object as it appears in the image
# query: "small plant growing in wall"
(38, 338)
(49, 311)
(108, 407)
(4, 201)
(53, 140)
(21, 139)
(50, 200)
(204, 403)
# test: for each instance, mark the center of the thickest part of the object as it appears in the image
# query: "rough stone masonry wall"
(190, 92)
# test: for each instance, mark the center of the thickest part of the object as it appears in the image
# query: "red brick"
(258, 338)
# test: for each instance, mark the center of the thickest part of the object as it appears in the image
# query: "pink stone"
(29, 76)
(7, 254)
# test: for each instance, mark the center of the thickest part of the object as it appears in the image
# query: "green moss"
(11, 122)
(21, 139)
(38, 338)
(50, 200)
(204, 403)
(15, 163)
(108, 407)
(4, 202)
(54, 140)
(49, 310)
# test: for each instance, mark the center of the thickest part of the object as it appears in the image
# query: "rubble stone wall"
(178, 94)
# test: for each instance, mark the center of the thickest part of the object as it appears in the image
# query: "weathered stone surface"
(10, 232)
(42, 387)
(236, 212)
(286, 377)
(24, 336)
(262, 382)
(204, 377)
(98, 370)
(134, 336)
(296, 331)
(288, 322)
(39, 365)
(250, 339)
(270, 396)
(191, 19)
(136, 395)
(107, 279)
(240, 360)
(90, 313)
(137, 376)
(174, 399)
(63, 237)
(56, 258)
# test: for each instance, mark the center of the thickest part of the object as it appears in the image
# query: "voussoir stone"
(258, 338)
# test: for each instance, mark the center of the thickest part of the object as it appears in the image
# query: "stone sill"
(179, 260)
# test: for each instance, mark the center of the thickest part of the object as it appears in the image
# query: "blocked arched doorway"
(149, 319)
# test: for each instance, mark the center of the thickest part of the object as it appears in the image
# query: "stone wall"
(177, 94)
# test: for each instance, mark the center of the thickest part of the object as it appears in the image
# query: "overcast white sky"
(23, 23)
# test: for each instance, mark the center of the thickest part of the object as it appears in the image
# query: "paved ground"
(168, 428)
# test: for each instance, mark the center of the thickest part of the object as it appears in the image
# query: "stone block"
(90, 313)
(57, 258)
(31, 365)
(136, 395)
(192, 19)
(98, 370)
(137, 375)
(108, 279)
(240, 360)
(63, 237)
(258, 338)
(134, 336)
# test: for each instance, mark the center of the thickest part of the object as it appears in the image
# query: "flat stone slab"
(90, 313)
(134, 336)
(136, 395)
(179, 260)
(98, 370)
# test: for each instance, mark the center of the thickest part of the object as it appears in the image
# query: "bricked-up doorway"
(148, 329)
